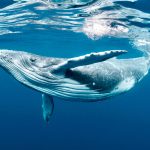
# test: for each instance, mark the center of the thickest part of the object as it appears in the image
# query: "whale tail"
(143, 45)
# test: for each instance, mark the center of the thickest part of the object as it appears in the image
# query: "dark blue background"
(121, 123)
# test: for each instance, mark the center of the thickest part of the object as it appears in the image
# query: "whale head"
(8, 60)
(12, 58)
(29, 69)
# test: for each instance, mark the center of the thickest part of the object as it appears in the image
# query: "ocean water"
(69, 28)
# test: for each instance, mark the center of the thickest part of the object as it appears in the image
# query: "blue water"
(64, 30)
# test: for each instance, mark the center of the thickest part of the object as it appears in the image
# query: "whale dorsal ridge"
(88, 59)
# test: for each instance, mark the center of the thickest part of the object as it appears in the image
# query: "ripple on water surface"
(89, 21)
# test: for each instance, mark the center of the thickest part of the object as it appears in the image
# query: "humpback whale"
(91, 77)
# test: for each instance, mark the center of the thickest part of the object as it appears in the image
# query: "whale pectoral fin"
(87, 59)
(47, 106)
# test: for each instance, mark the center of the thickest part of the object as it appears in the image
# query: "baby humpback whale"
(92, 77)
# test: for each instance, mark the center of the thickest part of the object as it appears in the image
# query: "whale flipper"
(47, 106)
(87, 59)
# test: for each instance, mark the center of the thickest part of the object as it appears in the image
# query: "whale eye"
(32, 59)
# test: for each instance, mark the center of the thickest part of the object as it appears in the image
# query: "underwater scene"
(74, 74)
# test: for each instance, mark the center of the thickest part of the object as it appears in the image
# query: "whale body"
(88, 78)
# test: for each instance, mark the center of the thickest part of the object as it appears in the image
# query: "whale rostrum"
(87, 78)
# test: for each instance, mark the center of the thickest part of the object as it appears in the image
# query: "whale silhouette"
(88, 78)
